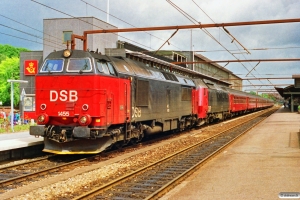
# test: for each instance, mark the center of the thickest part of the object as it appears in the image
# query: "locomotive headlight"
(43, 119)
(84, 120)
(67, 53)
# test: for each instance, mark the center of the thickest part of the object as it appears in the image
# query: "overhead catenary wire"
(252, 49)
(204, 30)
(84, 22)
(38, 37)
(126, 22)
(234, 39)
(26, 39)
(48, 40)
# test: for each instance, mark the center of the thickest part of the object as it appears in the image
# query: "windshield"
(79, 65)
(53, 65)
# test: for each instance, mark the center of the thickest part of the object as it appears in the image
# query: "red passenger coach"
(252, 103)
(238, 102)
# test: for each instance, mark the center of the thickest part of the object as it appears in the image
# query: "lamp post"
(12, 101)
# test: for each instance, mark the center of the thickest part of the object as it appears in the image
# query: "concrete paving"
(17, 140)
(260, 165)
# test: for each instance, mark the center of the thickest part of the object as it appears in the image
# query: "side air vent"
(186, 94)
(142, 93)
(170, 77)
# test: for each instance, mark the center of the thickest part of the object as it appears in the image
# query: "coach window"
(79, 65)
(53, 65)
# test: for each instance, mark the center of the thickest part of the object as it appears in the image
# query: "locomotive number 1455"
(63, 113)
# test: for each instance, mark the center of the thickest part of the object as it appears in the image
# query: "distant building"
(30, 77)
(291, 94)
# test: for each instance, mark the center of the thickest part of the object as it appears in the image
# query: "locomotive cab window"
(111, 68)
(79, 65)
(105, 67)
(53, 65)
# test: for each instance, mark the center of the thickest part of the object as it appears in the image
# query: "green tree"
(9, 69)
(267, 96)
(10, 51)
(252, 92)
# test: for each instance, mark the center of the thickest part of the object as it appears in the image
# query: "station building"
(291, 94)
(57, 32)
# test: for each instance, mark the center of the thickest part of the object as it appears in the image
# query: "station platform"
(19, 145)
(16, 140)
(262, 164)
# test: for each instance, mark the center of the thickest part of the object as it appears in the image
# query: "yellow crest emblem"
(31, 68)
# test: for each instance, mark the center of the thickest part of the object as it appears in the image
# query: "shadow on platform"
(286, 110)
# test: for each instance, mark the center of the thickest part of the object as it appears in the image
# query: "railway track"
(12, 177)
(20, 174)
(154, 180)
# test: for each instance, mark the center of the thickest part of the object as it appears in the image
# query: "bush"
(17, 128)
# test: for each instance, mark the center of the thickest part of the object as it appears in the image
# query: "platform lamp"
(12, 101)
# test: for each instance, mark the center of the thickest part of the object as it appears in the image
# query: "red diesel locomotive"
(87, 102)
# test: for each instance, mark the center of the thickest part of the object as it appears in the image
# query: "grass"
(17, 128)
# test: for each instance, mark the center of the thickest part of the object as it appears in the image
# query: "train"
(87, 103)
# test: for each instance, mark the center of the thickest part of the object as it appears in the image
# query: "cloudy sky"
(21, 25)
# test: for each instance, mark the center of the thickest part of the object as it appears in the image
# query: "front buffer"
(75, 146)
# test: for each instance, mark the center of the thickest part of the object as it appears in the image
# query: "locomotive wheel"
(119, 145)
(216, 120)
(133, 141)
(211, 119)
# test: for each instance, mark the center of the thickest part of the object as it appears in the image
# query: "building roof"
(287, 91)
(291, 89)
(80, 19)
(214, 64)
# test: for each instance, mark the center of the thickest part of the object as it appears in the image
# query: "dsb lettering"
(63, 95)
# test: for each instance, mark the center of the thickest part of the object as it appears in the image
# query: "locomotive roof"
(78, 54)
(173, 66)
(139, 69)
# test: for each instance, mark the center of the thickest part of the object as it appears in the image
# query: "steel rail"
(24, 163)
(22, 178)
(121, 179)
(180, 178)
